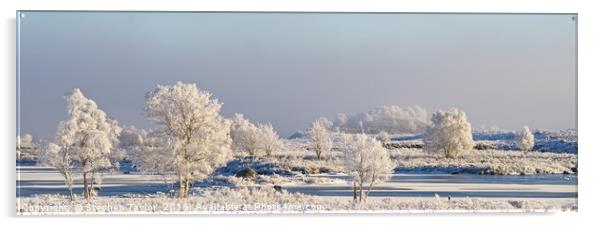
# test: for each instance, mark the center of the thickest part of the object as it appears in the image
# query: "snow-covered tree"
(25, 141)
(383, 137)
(391, 119)
(198, 134)
(525, 141)
(367, 161)
(42, 152)
(449, 133)
(151, 154)
(117, 154)
(320, 136)
(26, 148)
(130, 140)
(245, 135)
(340, 122)
(268, 139)
(88, 136)
(60, 158)
(251, 139)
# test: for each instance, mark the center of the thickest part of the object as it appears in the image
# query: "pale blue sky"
(507, 70)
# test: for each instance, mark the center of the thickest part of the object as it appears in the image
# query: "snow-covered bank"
(268, 200)
(495, 162)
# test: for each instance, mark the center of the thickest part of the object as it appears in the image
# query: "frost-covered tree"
(383, 137)
(367, 161)
(151, 154)
(42, 151)
(117, 155)
(88, 136)
(26, 148)
(130, 140)
(320, 136)
(198, 134)
(269, 140)
(449, 133)
(245, 135)
(391, 119)
(25, 141)
(340, 122)
(525, 141)
(251, 139)
(60, 158)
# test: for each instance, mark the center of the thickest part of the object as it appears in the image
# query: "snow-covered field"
(497, 178)
(39, 190)
(494, 162)
(268, 200)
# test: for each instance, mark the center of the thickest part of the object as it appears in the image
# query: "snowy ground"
(492, 162)
(37, 188)
(268, 200)
(497, 180)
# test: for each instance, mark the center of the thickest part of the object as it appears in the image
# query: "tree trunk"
(370, 187)
(361, 191)
(70, 193)
(354, 191)
(187, 186)
(181, 188)
(86, 186)
(68, 182)
(70, 188)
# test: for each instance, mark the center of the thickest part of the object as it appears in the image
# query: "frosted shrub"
(269, 141)
(525, 139)
(245, 135)
(251, 139)
(383, 137)
(449, 133)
